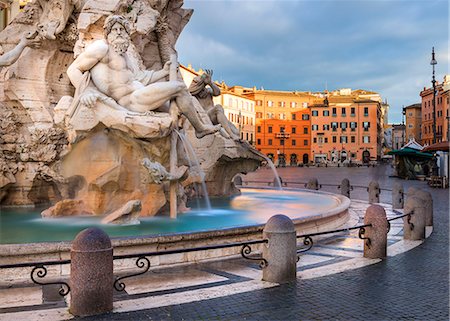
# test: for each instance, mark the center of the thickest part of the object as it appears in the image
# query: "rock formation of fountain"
(94, 157)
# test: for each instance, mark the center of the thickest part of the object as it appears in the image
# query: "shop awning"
(441, 146)
(406, 151)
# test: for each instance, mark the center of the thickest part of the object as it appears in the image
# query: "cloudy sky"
(311, 45)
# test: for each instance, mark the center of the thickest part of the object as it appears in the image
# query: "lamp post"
(433, 62)
(282, 135)
(403, 125)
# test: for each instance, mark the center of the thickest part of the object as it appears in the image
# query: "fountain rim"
(14, 249)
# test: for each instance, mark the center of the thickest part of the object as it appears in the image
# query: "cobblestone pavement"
(411, 285)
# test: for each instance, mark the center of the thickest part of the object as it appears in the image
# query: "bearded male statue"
(106, 65)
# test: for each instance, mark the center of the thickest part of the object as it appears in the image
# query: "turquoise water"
(19, 225)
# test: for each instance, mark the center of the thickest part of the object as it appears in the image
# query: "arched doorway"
(305, 158)
(293, 160)
(343, 155)
(366, 156)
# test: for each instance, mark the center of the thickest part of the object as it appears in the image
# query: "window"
(282, 116)
(366, 111)
(282, 142)
(343, 112)
(314, 140)
(344, 126)
(326, 127)
(293, 104)
(334, 126)
(269, 130)
(281, 104)
(352, 139)
(315, 113)
(353, 126)
(294, 116)
(270, 116)
(410, 126)
(333, 112)
(320, 139)
(326, 140)
(294, 143)
(270, 103)
(294, 130)
(334, 139)
(258, 141)
(258, 115)
(326, 113)
(305, 130)
(282, 129)
(304, 105)
(315, 127)
(352, 111)
(258, 129)
(305, 142)
(343, 139)
(305, 116)
(269, 141)
(366, 139)
(410, 114)
(259, 103)
(366, 126)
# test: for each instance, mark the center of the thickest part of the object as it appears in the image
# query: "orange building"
(283, 130)
(441, 112)
(346, 125)
(413, 121)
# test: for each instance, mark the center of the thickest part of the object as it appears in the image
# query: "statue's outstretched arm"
(27, 40)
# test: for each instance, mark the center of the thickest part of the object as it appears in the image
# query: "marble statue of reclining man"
(114, 75)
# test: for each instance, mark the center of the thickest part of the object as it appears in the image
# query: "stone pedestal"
(374, 192)
(416, 206)
(397, 196)
(345, 187)
(91, 273)
(281, 251)
(377, 233)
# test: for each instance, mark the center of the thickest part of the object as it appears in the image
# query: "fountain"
(92, 112)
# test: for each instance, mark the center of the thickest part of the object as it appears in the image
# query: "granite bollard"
(376, 246)
(313, 184)
(281, 251)
(414, 225)
(374, 192)
(397, 196)
(91, 273)
(427, 200)
(345, 187)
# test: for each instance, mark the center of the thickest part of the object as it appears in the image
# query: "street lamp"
(433, 62)
(403, 125)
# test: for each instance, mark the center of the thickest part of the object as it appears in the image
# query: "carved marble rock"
(67, 207)
(127, 214)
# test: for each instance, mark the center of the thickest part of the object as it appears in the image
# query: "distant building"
(398, 136)
(413, 122)
(283, 130)
(240, 110)
(441, 112)
(347, 125)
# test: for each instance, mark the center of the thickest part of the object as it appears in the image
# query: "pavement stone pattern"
(334, 282)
